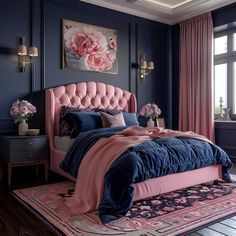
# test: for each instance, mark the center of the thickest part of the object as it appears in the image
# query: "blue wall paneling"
(40, 22)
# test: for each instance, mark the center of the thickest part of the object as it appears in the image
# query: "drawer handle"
(30, 143)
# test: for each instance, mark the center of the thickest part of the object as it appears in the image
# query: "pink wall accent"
(195, 104)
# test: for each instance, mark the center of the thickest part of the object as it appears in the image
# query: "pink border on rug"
(170, 224)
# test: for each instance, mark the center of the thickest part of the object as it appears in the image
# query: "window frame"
(229, 58)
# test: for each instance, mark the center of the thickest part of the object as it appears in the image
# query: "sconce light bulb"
(145, 67)
(22, 52)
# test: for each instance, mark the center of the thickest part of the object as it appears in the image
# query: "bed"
(99, 95)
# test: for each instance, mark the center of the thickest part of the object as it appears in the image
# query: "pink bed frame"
(100, 95)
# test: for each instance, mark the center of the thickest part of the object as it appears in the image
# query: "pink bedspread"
(90, 180)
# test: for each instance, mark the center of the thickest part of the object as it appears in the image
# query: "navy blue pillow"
(130, 119)
(64, 128)
(142, 120)
(83, 121)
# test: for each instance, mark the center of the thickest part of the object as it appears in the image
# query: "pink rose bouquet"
(150, 110)
(22, 110)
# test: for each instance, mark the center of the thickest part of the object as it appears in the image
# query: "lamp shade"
(150, 65)
(22, 51)
(33, 52)
(143, 64)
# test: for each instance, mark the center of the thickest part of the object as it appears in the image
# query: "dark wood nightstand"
(23, 151)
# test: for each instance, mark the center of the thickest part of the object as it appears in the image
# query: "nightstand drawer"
(21, 145)
(27, 156)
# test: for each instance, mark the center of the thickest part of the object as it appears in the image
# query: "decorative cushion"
(83, 121)
(130, 118)
(64, 127)
(142, 120)
(114, 120)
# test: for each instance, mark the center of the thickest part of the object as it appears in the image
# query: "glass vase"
(150, 123)
(22, 128)
(156, 123)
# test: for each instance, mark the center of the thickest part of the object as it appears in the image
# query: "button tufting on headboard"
(85, 94)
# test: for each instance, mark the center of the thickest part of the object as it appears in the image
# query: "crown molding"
(200, 7)
(126, 8)
(168, 15)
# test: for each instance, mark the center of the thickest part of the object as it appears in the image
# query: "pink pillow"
(112, 120)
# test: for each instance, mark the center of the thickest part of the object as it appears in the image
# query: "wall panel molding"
(42, 29)
(32, 42)
(132, 57)
(40, 23)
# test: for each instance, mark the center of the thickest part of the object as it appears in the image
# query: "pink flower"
(112, 44)
(112, 56)
(98, 62)
(22, 110)
(83, 41)
(150, 110)
(181, 200)
(14, 111)
(156, 202)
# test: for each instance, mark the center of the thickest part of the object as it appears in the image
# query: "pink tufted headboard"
(84, 95)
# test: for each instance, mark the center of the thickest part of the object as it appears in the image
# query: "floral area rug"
(168, 214)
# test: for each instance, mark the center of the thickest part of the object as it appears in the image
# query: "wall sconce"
(145, 67)
(22, 54)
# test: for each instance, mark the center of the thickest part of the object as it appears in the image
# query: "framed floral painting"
(88, 47)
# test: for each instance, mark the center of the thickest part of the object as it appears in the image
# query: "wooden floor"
(16, 220)
(222, 228)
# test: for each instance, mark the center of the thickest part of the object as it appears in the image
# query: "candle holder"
(224, 112)
(221, 107)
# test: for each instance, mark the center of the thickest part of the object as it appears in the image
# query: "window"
(220, 86)
(234, 42)
(220, 45)
(225, 71)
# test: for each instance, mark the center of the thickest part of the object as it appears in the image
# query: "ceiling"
(165, 11)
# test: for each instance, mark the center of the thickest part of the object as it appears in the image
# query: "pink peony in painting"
(88, 47)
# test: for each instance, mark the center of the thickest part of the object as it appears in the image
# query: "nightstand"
(19, 151)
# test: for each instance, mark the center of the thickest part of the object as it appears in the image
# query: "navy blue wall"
(175, 75)
(40, 23)
(224, 15)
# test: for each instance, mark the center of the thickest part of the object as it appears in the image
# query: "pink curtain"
(195, 104)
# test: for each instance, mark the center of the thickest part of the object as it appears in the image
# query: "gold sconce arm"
(22, 54)
(145, 67)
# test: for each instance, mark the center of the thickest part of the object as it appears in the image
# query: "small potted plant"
(21, 111)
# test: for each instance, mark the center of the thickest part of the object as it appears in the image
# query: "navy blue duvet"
(150, 159)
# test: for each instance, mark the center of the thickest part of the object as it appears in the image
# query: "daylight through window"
(225, 71)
